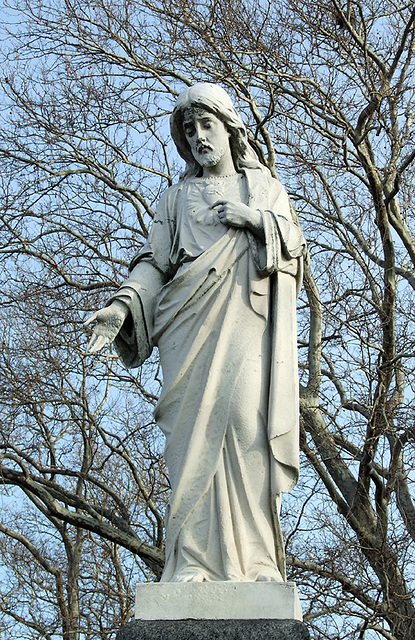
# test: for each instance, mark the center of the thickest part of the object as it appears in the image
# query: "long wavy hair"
(214, 99)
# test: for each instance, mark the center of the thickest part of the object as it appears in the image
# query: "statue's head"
(213, 99)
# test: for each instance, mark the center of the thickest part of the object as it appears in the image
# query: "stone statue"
(215, 289)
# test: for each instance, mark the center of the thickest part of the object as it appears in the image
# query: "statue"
(215, 289)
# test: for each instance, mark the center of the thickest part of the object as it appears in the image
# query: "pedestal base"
(214, 630)
(216, 611)
(217, 601)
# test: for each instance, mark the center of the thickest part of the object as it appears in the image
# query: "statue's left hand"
(237, 214)
(108, 322)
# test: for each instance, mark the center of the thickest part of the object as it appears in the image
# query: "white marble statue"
(215, 289)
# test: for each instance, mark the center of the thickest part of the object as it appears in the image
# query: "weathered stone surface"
(217, 601)
(214, 630)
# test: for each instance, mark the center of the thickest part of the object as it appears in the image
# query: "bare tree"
(83, 479)
(327, 88)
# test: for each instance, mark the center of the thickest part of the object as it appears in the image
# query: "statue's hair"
(214, 99)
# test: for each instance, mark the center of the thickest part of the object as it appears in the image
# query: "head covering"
(214, 99)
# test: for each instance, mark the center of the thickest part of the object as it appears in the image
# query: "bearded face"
(206, 136)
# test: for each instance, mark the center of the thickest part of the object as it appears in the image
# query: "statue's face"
(206, 135)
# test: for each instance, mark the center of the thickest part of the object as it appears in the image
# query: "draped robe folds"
(224, 322)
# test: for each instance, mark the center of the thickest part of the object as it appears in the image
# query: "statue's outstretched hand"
(108, 322)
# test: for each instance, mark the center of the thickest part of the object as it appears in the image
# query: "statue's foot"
(269, 576)
(189, 575)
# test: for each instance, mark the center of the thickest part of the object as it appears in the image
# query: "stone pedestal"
(214, 630)
(216, 610)
(217, 601)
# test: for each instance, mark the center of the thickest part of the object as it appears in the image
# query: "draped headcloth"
(214, 99)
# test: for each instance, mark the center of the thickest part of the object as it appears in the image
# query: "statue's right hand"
(108, 321)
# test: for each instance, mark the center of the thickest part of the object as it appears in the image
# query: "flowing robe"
(222, 314)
